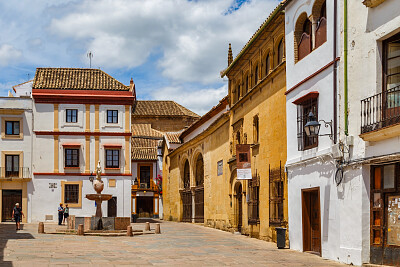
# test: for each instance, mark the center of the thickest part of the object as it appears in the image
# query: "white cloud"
(9, 54)
(193, 36)
(199, 101)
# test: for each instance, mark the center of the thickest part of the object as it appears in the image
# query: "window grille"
(303, 109)
(276, 195)
(254, 201)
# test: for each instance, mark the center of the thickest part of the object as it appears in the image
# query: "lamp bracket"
(327, 124)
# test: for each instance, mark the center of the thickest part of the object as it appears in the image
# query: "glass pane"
(394, 49)
(16, 127)
(9, 127)
(16, 163)
(376, 236)
(393, 220)
(8, 163)
(377, 218)
(377, 200)
(393, 81)
(388, 179)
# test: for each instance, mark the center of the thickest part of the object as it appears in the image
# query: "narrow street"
(180, 244)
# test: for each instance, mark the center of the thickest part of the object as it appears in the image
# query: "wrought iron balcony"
(8, 173)
(381, 110)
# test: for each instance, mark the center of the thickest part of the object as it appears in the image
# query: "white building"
(373, 121)
(81, 116)
(324, 217)
(15, 156)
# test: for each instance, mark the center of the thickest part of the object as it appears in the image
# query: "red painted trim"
(83, 133)
(110, 97)
(312, 75)
(313, 94)
(71, 145)
(112, 145)
(79, 174)
(112, 168)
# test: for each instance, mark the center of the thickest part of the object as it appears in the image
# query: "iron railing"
(380, 110)
(21, 172)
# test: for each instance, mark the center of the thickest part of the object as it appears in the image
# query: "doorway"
(145, 207)
(9, 198)
(239, 207)
(112, 207)
(311, 221)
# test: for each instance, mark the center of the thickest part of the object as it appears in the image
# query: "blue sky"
(172, 49)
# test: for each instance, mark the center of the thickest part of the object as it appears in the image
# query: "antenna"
(90, 56)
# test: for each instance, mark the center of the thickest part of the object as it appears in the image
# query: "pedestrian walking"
(16, 214)
(60, 213)
(66, 213)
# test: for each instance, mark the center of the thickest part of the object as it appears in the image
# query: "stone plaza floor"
(179, 244)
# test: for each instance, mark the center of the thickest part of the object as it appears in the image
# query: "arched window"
(255, 130)
(320, 32)
(186, 175)
(305, 41)
(267, 65)
(280, 51)
(199, 171)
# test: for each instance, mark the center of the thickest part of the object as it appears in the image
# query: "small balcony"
(380, 115)
(15, 173)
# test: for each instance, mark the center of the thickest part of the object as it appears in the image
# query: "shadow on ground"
(150, 220)
(8, 232)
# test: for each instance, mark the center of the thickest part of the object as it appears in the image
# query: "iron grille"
(276, 194)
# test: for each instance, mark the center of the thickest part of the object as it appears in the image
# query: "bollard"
(147, 228)
(80, 229)
(158, 229)
(41, 228)
(129, 231)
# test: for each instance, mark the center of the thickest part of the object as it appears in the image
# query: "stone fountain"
(98, 186)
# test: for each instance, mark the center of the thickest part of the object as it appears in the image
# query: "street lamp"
(313, 126)
(91, 178)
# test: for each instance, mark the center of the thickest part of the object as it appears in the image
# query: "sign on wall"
(243, 162)
(220, 165)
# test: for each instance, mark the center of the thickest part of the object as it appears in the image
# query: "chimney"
(230, 56)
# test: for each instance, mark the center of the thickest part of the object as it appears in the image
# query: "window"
(254, 200)
(71, 157)
(255, 130)
(303, 109)
(276, 195)
(320, 32)
(280, 52)
(71, 193)
(71, 115)
(267, 65)
(392, 63)
(199, 171)
(112, 158)
(256, 75)
(238, 93)
(303, 36)
(12, 165)
(247, 83)
(12, 127)
(186, 176)
(112, 116)
(144, 176)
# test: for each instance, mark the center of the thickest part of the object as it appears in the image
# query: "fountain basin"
(97, 197)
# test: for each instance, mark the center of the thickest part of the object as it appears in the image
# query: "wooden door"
(239, 208)
(9, 198)
(199, 204)
(311, 221)
(186, 196)
(112, 207)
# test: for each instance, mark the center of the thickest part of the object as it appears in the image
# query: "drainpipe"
(346, 123)
(334, 72)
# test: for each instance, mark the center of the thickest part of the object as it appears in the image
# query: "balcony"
(380, 115)
(15, 174)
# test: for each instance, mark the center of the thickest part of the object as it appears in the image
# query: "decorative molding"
(372, 3)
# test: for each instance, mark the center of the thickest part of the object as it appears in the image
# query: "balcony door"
(12, 166)
(145, 174)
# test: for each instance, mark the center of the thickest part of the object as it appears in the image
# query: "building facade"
(81, 117)
(15, 156)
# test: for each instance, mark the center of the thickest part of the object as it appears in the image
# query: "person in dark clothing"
(60, 214)
(17, 213)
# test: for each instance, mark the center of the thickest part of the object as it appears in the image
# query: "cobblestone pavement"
(179, 244)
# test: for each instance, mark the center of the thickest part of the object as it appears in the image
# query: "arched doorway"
(186, 194)
(239, 206)
(199, 190)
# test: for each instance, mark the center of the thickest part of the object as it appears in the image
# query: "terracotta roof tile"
(161, 108)
(144, 129)
(173, 137)
(75, 79)
(144, 148)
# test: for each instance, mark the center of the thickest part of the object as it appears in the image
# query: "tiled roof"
(76, 79)
(173, 137)
(161, 108)
(144, 148)
(144, 129)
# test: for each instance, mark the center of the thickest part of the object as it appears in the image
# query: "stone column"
(193, 204)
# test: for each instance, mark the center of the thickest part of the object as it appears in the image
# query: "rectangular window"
(12, 165)
(254, 201)
(255, 130)
(71, 157)
(112, 158)
(276, 195)
(112, 116)
(71, 193)
(144, 176)
(71, 115)
(303, 110)
(12, 127)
